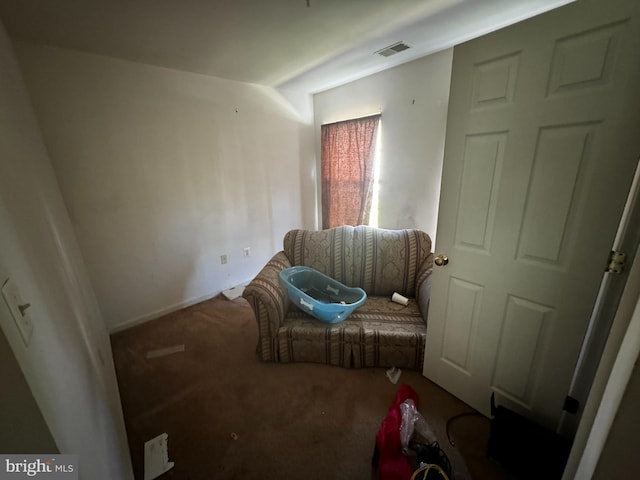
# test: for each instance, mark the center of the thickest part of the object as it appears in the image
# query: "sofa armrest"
(423, 287)
(270, 304)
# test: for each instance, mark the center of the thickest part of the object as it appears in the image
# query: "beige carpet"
(230, 416)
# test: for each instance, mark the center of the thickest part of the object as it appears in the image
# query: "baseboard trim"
(159, 313)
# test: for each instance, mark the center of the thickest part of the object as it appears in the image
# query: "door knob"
(441, 260)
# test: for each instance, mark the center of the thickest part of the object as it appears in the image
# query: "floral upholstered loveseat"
(380, 333)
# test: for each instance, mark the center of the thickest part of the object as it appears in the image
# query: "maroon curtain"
(347, 171)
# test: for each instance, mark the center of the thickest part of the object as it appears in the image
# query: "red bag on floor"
(392, 463)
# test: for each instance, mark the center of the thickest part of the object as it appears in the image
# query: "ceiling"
(307, 45)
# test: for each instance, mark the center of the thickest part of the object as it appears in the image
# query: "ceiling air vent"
(393, 49)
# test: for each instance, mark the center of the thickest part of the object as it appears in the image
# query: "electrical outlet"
(18, 310)
(224, 259)
(247, 251)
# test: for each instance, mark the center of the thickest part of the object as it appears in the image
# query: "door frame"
(610, 381)
(606, 306)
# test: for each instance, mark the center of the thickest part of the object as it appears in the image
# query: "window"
(348, 150)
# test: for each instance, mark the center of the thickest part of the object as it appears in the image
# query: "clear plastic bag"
(413, 423)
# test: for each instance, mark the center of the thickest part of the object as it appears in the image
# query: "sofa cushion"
(380, 333)
(328, 251)
(377, 260)
(388, 261)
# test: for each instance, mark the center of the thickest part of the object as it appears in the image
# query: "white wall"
(413, 99)
(67, 364)
(165, 171)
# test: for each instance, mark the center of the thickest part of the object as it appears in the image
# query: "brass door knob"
(441, 260)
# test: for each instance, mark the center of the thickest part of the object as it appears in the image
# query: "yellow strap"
(426, 469)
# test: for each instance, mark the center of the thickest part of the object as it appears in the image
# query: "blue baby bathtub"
(319, 295)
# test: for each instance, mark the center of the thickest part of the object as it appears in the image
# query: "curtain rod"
(371, 115)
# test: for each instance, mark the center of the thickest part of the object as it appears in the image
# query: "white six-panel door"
(543, 136)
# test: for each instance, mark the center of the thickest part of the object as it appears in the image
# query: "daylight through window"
(348, 177)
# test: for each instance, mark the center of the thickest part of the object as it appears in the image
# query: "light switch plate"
(13, 300)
